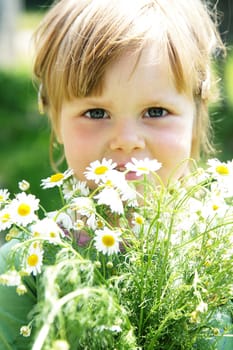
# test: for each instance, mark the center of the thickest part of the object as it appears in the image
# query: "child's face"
(138, 114)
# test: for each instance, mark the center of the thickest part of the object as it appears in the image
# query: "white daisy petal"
(4, 196)
(116, 183)
(143, 167)
(111, 197)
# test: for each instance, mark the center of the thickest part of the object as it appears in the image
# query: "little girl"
(127, 79)
(121, 80)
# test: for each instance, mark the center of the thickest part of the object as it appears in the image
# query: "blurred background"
(24, 133)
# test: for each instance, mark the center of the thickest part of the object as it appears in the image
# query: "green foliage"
(24, 134)
(91, 310)
(222, 114)
(167, 284)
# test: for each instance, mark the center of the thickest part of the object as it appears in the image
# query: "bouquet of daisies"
(129, 264)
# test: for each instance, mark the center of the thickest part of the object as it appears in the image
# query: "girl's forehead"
(149, 66)
(148, 60)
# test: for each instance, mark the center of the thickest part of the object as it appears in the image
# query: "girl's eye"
(156, 112)
(96, 113)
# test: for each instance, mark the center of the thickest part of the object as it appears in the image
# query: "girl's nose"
(127, 137)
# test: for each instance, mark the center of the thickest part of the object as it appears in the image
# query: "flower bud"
(24, 185)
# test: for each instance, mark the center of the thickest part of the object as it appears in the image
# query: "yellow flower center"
(35, 245)
(79, 224)
(139, 220)
(141, 168)
(5, 218)
(56, 177)
(222, 170)
(1, 198)
(33, 260)
(36, 234)
(52, 234)
(24, 209)
(108, 240)
(100, 224)
(101, 170)
(215, 207)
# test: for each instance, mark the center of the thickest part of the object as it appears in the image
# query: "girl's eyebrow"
(96, 101)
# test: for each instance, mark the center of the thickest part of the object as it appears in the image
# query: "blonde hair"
(78, 40)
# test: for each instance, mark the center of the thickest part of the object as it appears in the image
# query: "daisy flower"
(138, 223)
(5, 219)
(10, 278)
(74, 187)
(79, 224)
(48, 229)
(215, 205)
(190, 215)
(142, 167)
(107, 241)
(138, 219)
(23, 207)
(85, 206)
(220, 170)
(25, 331)
(223, 188)
(4, 196)
(34, 260)
(97, 171)
(62, 219)
(111, 197)
(21, 289)
(56, 179)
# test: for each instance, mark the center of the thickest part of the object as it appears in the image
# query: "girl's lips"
(131, 175)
